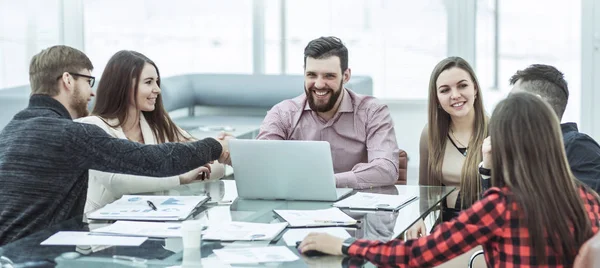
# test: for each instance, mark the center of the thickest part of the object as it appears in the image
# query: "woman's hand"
(201, 173)
(486, 151)
(416, 230)
(322, 242)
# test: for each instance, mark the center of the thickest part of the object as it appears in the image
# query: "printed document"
(244, 231)
(149, 207)
(319, 217)
(371, 201)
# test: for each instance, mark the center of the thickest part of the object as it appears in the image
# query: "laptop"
(284, 170)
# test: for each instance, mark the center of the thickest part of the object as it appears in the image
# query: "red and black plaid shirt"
(488, 223)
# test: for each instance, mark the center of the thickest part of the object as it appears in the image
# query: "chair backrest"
(402, 168)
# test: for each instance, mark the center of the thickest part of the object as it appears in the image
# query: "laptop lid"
(283, 169)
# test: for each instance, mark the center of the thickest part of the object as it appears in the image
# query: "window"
(24, 32)
(194, 36)
(547, 32)
(383, 40)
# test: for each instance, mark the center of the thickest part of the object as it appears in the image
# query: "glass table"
(224, 206)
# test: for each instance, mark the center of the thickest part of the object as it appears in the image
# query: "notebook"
(149, 208)
(316, 218)
(370, 201)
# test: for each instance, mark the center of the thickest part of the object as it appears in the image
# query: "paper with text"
(137, 207)
(318, 217)
(243, 231)
(372, 201)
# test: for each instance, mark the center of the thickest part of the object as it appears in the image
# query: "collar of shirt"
(568, 127)
(45, 101)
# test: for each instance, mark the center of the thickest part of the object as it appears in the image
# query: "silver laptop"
(286, 170)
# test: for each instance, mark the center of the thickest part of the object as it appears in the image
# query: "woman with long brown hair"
(537, 214)
(450, 146)
(129, 106)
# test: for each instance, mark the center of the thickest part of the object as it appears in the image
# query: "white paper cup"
(191, 234)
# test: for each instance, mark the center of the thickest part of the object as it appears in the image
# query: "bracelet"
(484, 171)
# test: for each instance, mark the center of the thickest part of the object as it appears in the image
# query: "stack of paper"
(244, 231)
(149, 207)
(320, 217)
(371, 201)
(140, 228)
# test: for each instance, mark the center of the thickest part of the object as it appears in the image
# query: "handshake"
(224, 138)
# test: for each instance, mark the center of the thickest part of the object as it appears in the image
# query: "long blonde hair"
(439, 125)
(529, 158)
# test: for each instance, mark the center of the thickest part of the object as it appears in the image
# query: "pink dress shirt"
(361, 135)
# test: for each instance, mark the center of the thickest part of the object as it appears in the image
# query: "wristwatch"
(484, 171)
(346, 244)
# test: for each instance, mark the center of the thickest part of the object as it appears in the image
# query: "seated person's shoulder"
(368, 104)
(585, 138)
(94, 120)
(496, 193)
(290, 105)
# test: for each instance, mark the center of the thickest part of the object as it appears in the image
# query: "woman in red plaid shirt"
(534, 192)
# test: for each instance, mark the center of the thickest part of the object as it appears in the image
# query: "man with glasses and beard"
(358, 128)
(45, 156)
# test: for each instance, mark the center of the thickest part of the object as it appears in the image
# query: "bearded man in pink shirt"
(358, 128)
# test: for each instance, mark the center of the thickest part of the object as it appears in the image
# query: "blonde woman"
(129, 106)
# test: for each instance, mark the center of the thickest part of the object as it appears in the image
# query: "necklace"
(459, 143)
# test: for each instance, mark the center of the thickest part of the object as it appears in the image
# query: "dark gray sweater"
(45, 157)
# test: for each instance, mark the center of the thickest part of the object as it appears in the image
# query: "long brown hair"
(119, 85)
(439, 125)
(529, 158)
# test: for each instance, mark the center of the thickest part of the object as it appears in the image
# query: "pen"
(336, 222)
(152, 206)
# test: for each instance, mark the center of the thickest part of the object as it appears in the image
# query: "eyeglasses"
(92, 80)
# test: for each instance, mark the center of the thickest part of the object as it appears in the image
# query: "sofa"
(235, 103)
(207, 103)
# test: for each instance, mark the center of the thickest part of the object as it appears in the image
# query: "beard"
(79, 103)
(323, 107)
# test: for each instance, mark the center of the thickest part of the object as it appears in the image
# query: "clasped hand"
(224, 138)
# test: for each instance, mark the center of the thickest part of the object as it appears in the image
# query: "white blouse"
(105, 187)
